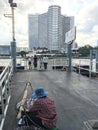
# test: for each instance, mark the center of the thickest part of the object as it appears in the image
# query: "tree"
(23, 53)
(85, 50)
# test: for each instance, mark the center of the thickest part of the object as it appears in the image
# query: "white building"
(33, 31)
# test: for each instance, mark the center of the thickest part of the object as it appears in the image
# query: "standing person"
(29, 63)
(43, 111)
(45, 61)
(41, 62)
(35, 61)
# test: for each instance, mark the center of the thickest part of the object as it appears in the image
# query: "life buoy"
(63, 68)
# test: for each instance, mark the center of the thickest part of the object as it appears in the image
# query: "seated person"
(43, 111)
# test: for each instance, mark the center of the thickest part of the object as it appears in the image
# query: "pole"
(13, 24)
(13, 43)
(91, 59)
(69, 55)
(96, 60)
(13, 54)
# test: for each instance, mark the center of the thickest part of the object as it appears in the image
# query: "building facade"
(5, 50)
(42, 30)
(48, 29)
(54, 27)
(33, 31)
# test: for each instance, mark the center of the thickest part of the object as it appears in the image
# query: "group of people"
(34, 59)
(42, 112)
(43, 62)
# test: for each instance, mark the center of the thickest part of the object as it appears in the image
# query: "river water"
(5, 62)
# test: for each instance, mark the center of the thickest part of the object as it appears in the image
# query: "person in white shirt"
(45, 61)
(29, 63)
(41, 62)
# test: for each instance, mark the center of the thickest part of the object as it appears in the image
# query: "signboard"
(70, 35)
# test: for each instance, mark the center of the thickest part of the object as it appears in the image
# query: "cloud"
(95, 29)
(34, 6)
(87, 22)
(90, 17)
(85, 12)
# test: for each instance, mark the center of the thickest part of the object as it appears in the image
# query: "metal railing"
(57, 62)
(5, 92)
(52, 62)
(86, 67)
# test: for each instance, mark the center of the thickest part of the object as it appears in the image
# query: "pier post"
(13, 54)
(91, 62)
(70, 37)
(13, 43)
(69, 55)
(96, 60)
(91, 59)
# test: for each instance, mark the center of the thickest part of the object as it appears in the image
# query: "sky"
(85, 13)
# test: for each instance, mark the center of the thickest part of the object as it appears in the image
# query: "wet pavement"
(75, 96)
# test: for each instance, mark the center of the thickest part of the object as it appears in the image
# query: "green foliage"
(85, 50)
(22, 53)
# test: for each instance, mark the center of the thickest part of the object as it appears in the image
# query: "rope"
(28, 84)
(19, 98)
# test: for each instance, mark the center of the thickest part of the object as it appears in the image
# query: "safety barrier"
(87, 69)
(58, 63)
(82, 66)
(5, 92)
(90, 125)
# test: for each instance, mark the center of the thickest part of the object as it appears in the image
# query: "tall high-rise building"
(42, 30)
(48, 29)
(33, 31)
(54, 27)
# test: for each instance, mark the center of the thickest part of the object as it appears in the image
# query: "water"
(84, 62)
(4, 62)
(81, 61)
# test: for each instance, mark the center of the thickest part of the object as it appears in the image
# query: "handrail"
(91, 67)
(5, 92)
(52, 62)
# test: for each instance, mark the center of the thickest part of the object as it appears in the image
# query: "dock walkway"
(75, 96)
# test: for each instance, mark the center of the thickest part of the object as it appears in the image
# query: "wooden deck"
(75, 96)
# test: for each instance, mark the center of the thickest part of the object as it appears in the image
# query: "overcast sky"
(84, 11)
